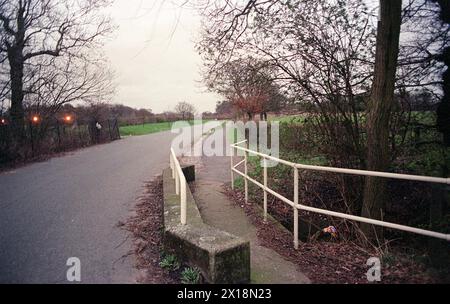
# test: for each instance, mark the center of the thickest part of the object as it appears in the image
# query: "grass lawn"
(145, 128)
(148, 128)
(288, 118)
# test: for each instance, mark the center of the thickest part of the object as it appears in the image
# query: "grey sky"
(154, 58)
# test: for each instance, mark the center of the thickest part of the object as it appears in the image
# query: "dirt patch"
(331, 261)
(146, 230)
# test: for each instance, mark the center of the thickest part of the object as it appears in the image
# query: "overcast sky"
(154, 58)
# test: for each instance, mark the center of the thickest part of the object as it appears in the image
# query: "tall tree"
(33, 30)
(379, 109)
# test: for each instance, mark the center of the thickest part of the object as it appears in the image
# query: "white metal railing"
(295, 204)
(180, 184)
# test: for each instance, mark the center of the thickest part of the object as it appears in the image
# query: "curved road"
(69, 206)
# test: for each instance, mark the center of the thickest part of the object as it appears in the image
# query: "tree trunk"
(16, 63)
(379, 111)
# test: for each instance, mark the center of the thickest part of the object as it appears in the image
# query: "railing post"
(295, 207)
(232, 173)
(245, 179)
(265, 191)
(183, 201)
(177, 182)
(172, 166)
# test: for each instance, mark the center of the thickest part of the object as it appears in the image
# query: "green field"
(288, 118)
(148, 128)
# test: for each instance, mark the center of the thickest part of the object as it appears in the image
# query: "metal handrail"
(295, 204)
(180, 184)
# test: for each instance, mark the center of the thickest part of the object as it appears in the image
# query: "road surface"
(69, 206)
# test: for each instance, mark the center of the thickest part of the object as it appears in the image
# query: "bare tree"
(185, 109)
(34, 32)
(247, 84)
(67, 80)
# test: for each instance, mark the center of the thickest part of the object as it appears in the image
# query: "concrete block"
(221, 257)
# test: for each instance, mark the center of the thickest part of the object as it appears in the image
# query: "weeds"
(190, 275)
(170, 262)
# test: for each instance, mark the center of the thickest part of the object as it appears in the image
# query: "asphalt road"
(69, 206)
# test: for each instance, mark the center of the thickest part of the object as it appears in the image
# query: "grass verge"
(149, 128)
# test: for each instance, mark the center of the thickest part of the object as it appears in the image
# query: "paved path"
(267, 266)
(69, 207)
